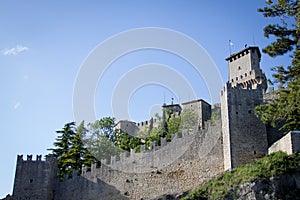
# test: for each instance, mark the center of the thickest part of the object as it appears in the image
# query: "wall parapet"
(154, 158)
(290, 143)
(37, 158)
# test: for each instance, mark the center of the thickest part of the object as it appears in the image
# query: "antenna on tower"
(164, 98)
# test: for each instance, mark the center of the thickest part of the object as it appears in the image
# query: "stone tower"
(244, 69)
(244, 135)
(201, 108)
(35, 179)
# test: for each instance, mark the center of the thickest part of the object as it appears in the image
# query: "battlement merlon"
(38, 158)
(242, 52)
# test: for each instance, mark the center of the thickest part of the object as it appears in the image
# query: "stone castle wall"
(176, 166)
(180, 165)
(290, 143)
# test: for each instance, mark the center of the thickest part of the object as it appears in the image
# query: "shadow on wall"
(82, 188)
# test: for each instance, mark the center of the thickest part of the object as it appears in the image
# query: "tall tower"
(244, 135)
(244, 69)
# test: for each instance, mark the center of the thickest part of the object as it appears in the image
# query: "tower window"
(249, 111)
(239, 68)
(236, 78)
(231, 80)
(241, 76)
(30, 180)
(245, 74)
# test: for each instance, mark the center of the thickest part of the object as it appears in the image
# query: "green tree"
(126, 142)
(173, 124)
(61, 148)
(87, 157)
(189, 120)
(100, 138)
(287, 33)
(70, 150)
(104, 127)
(215, 116)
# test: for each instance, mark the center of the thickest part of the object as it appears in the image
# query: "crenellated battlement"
(156, 156)
(38, 158)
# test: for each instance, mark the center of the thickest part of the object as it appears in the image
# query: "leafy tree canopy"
(100, 137)
(287, 33)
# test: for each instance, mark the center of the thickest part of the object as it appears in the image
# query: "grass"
(271, 165)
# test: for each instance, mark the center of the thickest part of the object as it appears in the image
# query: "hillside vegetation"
(263, 171)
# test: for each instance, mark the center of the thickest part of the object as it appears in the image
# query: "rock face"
(286, 187)
(282, 187)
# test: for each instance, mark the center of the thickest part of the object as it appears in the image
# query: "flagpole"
(229, 47)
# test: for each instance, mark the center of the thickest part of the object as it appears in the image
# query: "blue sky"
(44, 43)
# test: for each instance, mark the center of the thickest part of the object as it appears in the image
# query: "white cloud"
(15, 50)
(17, 105)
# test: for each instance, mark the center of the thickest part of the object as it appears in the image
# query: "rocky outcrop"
(283, 187)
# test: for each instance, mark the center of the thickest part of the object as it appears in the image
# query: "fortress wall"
(142, 125)
(79, 187)
(156, 158)
(290, 143)
(248, 138)
(34, 179)
(201, 157)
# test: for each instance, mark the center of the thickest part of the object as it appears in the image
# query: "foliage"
(272, 165)
(173, 125)
(168, 125)
(189, 120)
(103, 127)
(215, 116)
(126, 142)
(287, 33)
(70, 150)
(99, 138)
(87, 157)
